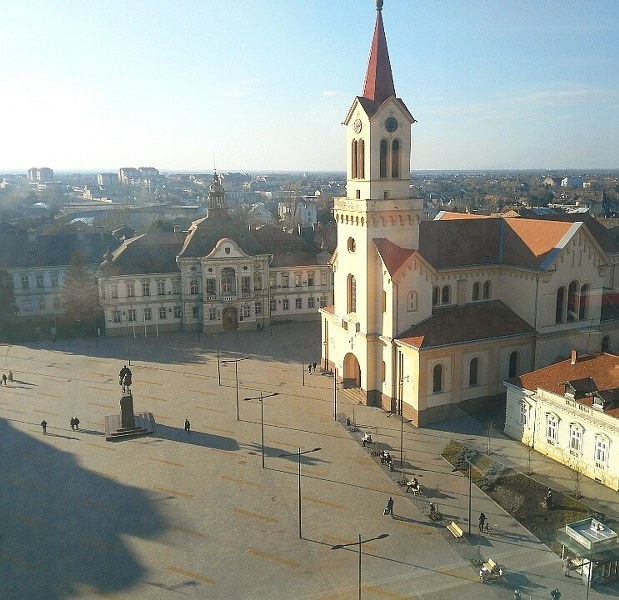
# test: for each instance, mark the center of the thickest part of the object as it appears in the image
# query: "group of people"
(5, 378)
(367, 439)
(75, 424)
(312, 367)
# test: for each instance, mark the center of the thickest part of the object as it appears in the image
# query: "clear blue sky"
(265, 84)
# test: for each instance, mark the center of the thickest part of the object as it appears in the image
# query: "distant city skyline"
(264, 86)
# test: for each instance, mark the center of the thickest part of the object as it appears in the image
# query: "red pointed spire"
(378, 84)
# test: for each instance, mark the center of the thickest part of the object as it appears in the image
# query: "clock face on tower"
(357, 126)
(391, 124)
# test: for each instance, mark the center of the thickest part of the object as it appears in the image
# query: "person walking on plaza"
(72, 423)
(309, 368)
(44, 426)
(76, 421)
(314, 366)
(187, 425)
(4, 378)
(10, 376)
(389, 508)
(482, 521)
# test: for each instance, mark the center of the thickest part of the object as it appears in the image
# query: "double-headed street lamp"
(299, 453)
(261, 398)
(236, 377)
(382, 536)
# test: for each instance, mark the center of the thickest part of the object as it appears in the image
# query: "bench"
(455, 530)
(490, 565)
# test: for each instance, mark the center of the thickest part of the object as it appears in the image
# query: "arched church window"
(436, 293)
(572, 301)
(446, 295)
(487, 290)
(361, 159)
(351, 301)
(514, 363)
(437, 379)
(395, 159)
(473, 371)
(560, 305)
(228, 281)
(476, 290)
(383, 159)
(583, 312)
(353, 158)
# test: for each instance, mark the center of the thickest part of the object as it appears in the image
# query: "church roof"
(391, 254)
(378, 85)
(528, 243)
(288, 250)
(469, 323)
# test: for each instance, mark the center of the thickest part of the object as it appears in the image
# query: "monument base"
(114, 430)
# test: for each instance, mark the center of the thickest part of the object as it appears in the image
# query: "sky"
(265, 84)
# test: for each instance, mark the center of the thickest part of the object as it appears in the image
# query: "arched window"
(228, 281)
(395, 159)
(437, 379)
(476, 290)
(353, 158)
(412, 301)
(583, 312)
(446, 295)
(514, 363)
(560, 305)
(351, 294)
(572, 302)
(361, 160)
(487, 290)
(383, 159)
(552, 424)
(436, 293)
(606, 343)
(194, 288)
(473, 371)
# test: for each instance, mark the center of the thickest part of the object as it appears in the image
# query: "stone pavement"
(194, 515)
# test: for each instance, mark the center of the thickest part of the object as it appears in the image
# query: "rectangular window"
(272, 281)
(116, 316)
(162, 312)
(145, 288)
(27, 305)
(273, 306)
(257, 281)
(148, 314)
(176, 286)
(39, 281)
(245, 285)
(210, 287)
(57, 303)
(42, 303)
(600, 451)
(25, 283)
(160, 287)
(246, 311)
(551, 430)
(323, 302)
(130, 289)
(131, 315)
(195, 312)
(575, 439)
(258, 308)
(54, 279)
(323, 278)
(310, 279)
(285, 280)
(297, 280)
(285, 304)
(523, 413)
(310, 303)
(114, 290)
(298, 303)
(212, 314)
(177, 312)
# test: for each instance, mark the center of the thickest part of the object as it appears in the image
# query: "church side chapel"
(428, 315)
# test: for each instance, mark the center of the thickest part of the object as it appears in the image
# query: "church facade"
(428, 315)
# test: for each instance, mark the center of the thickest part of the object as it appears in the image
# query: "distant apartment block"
(40, 175)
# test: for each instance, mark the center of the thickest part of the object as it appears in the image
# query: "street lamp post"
(470, 490)
(299, 453)
(382, 536)
(335, 394)
(127, 332)
(402, 380)
(261, 398)
(236, 377)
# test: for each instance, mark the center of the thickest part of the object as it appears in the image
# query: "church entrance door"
(229, 318)
(352, 372)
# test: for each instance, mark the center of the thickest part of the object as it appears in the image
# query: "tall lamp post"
(401, 411)
(261, 398)
(299, 453)
(382, 536)
(127, 332)
(470, 490)
(236, 377)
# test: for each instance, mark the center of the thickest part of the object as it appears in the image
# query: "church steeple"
(378, 85)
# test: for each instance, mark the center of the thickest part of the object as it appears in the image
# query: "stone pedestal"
(127, 424)
(127, 417)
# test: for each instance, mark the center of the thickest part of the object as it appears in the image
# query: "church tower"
(377, 206)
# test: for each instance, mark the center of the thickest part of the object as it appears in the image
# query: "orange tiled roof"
(602, 369)
(392, 255)
(468, 323)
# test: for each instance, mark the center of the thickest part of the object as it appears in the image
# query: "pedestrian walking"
(77, 423)
(72, 423)
(566, 566)
(4, 378)
(187, 425)
(389, 508)
(11, 376)
(482, 521)
(309, 368)
(44, 426)
(314, 366)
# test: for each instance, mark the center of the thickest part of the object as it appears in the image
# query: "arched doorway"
(229, 318)
(352, 372)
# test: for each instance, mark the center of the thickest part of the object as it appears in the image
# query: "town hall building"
(429, 315)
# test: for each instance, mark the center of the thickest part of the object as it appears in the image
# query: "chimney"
(574, 357)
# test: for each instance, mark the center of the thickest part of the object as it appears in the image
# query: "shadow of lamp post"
(236, 377)
(470, 489)
(299, 453)
(261, 399)
(382, 536)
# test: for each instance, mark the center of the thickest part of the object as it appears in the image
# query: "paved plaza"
(194, 515)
